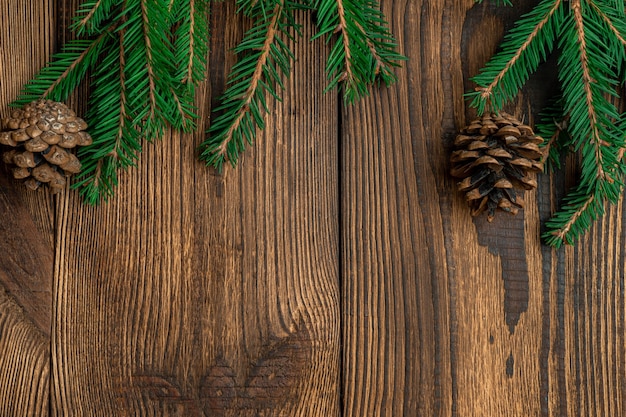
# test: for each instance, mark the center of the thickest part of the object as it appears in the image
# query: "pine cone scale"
(43, 135)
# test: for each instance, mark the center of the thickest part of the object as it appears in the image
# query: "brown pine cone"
(43, 135)
(495, 156)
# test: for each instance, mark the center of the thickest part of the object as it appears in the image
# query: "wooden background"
(335, 272)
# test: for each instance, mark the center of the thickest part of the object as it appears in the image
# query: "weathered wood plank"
(590, 310)
(193, 293)
(395, 207)
(27, 227)
(446, 315)
(26, 231)
(24, 362)
(198, 294)
(26, 263)
(25, 299)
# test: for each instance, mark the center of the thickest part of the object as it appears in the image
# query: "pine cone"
(43, 134)
(494, 157)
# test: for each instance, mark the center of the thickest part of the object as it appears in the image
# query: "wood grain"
(197, 294)
(446, 315)
(335, 272)
(25, 299)
(27, 228)
(26, 232)
(24, 362)
(25, 46)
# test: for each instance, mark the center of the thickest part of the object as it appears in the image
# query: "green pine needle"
(190, 46)
(363, 50)
(57, 80)
(591, 39)
(528, 44)
(147, 95)
(553, 128)
(91, 16)
(363, 53)
(146, 58)
(115, 141)
(265, 58)
(579, 211)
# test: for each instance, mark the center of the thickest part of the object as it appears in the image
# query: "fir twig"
(265, 53)
(528, 43)
(382, 46)
(61, 76)
(592, 52)
(553, 128)
(146, 85)
(364, 50)
(579, 211)
(91, 15)
(190, 44)
(115, 146)
(148, 56)
(153, 54)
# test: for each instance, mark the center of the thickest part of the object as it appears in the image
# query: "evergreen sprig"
(60, 77)
(146, 58)
(553, 128)
(364, 50)
(591, 39)
(363, 53)
(265, 58)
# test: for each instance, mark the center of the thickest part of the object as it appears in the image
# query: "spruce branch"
(146, 58)
(115, 146)
(190, 40)
(265, 58)
(579, 211)
(91, 14)
(363, 51)
(591, 113)
(591, 38)
(529, 42)
(382, 46)
(553, 128)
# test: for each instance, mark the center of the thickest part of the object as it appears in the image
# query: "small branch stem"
(343, 25)
(554, 137)
(254, 80)
(83, 22)
(75, 63)
(192, 23)
(120, 130)
(373, 51)
(609, 23)
(563, 231)
(487, 91)
(588, 81)
(146, 29)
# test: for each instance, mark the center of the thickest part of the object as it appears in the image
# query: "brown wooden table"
(335, 272)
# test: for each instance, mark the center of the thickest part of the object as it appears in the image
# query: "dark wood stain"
(335, 272)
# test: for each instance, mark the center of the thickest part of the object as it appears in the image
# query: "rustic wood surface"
(335, 272)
